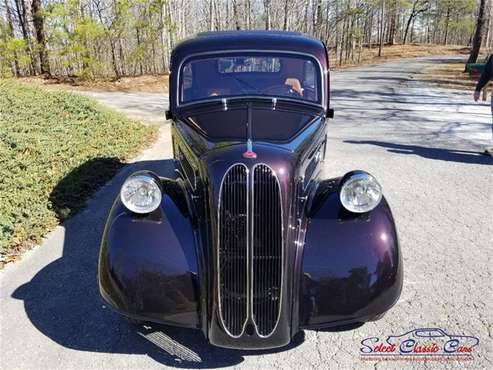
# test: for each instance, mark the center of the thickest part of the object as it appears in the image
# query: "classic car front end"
(248, 243)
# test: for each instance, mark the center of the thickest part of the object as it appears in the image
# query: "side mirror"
(168, 114)
(330, 113)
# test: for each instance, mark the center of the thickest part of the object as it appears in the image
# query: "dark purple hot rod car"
(248, 243)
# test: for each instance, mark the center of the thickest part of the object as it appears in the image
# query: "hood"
(256, 120)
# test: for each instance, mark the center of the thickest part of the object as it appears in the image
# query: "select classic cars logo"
(425, 344)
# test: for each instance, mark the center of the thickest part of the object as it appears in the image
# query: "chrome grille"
(267, 251)
(250, 250)
(233, 250)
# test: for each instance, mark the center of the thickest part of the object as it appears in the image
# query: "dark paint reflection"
(346, 295)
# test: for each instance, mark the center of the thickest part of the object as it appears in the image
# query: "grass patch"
(49, 139)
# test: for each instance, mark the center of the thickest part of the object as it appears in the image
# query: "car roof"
(250, 40)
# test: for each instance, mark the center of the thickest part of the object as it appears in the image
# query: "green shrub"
(53, 138)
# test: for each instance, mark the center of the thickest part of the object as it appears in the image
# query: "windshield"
(252, 74)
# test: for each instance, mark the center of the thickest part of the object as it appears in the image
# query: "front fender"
(352, 265)
(148, 265)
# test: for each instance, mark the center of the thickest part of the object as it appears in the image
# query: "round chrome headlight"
(360, 192)
(141, 192)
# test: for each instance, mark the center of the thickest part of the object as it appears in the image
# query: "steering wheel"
(283, 90)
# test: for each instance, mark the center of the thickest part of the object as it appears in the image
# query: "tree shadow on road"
(429, 99)
(62, 300)
(450, 155)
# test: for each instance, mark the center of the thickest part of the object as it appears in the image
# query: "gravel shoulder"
(421, 142)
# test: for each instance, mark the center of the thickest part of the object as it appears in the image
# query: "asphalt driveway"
(421, 142)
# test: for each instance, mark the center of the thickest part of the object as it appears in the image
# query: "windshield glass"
(234, 75)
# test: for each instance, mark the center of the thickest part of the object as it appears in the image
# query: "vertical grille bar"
(267, 250)
(233, 250)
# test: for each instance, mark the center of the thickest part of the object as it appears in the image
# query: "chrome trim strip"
(253, 246)
(317, 169)
(184, 172)
(247, 251)
(182, 156)
(242, 97)
(266, 51)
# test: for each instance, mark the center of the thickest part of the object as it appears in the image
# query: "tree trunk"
(235, 15)
(170, 38)
(267, 14)
(337, 28)
(382, 24)
(447, 21)
(286, 15)
(20, 7)
(123, 63)
(140, 51)
(10, 30)
(490, 25)
(326, 24)
(248, 11)
(478, 35)
(342, 27)
(314, 17)
(318, 20)
(153, 48)
(162, 38)
(411, 31)
(85, 53)
(392, 27)
(211, 15)
(38, 23)
(113, 60)
(408, 25)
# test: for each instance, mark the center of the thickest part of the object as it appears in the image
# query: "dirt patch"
(148, 83)
(389, 52)
(451, 75)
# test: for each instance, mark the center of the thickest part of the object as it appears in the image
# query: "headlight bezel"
(370, 184)
(148, 178)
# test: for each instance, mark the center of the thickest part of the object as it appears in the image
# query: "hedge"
(56, 149)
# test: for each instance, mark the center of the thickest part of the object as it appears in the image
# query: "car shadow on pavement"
(62, 299)
(451, 155)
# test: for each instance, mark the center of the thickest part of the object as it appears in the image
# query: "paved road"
(422, 144)
(146, 107)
